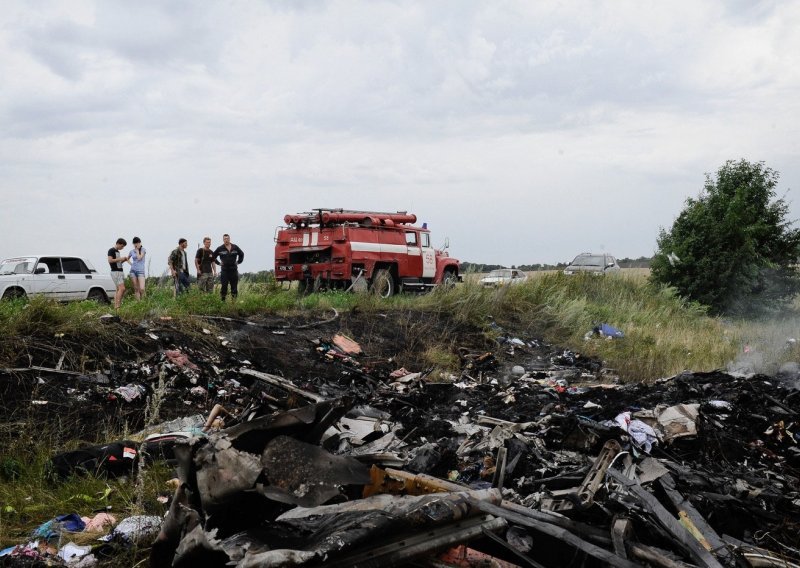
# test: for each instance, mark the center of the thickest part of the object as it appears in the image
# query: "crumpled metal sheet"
(308, 423)
(347, 526)
(677, 421)
(223, 471)
(306, 475)
(398, 505)
(199, 547)
(276, 558)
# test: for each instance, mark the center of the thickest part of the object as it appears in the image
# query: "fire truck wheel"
(302, 287)
(383, 283)
(448, 279)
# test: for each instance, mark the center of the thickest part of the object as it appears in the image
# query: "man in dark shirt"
(206, 269)
(228, 256)
(115, 262)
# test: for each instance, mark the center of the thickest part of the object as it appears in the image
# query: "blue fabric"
(45, 530)
(610, 331)
(51, 529)
(181, 282)
(71, 522)
(137, 265)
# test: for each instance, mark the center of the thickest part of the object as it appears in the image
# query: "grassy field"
(664, 333)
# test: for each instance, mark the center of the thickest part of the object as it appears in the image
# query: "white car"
(503, 276)
(61, 278)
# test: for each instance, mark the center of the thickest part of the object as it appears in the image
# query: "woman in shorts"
(136, 257)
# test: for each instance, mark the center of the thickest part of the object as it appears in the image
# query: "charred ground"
(67, 381)
(740, 470)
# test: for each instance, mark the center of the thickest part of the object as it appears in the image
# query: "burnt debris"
(333, 444)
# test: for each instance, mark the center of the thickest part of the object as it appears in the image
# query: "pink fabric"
(177, 358)
(346, 345)
(99, 522)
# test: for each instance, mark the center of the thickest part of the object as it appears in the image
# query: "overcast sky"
(524, 131)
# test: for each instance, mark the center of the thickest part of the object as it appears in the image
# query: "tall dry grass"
(664, 333)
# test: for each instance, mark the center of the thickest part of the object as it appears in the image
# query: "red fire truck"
(342, 249)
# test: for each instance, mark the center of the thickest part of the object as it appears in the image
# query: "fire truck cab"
(343, 249)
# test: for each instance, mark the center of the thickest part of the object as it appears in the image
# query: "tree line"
(641, 262)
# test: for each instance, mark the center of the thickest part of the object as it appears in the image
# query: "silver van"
(600, 263)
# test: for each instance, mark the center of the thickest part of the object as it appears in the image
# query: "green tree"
(732, 248)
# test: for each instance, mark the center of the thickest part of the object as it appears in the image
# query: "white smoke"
(768, 347)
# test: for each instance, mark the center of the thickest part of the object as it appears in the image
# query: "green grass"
(664, 333)
(29, 495)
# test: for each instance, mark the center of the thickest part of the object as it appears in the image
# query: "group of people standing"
(227, 256)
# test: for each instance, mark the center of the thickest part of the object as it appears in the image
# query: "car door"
(78, 278)
(414, 256)
(48, 278)
(428, 256)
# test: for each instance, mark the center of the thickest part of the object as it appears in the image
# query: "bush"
(732, 248)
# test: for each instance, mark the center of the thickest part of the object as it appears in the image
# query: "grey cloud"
(45, 116)
(514, 111)
(430, 73)
(153, 34)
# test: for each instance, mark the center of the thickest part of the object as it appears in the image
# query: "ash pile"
(532, 470)
(532, 456)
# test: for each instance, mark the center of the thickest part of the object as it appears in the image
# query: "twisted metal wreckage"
(533, 457)
(255, 494)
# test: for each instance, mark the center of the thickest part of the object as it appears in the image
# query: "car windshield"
(588, 260)
(21, 265)
(500, 274)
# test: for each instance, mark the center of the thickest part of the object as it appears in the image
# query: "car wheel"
(14, 294)
(98, 296)
(383, 283)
